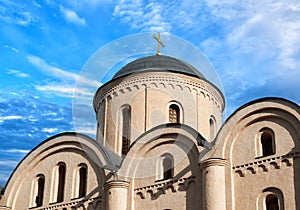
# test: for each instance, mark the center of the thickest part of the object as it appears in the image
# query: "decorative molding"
(213, 162)
(114, 89)
(265, 165)
(74, 204)
(157, 189)
(116, 184)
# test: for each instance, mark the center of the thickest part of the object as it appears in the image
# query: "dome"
(158, 64)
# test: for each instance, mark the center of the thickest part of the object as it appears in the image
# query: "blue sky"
(254, 46)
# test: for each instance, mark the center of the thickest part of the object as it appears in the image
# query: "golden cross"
(158, 43)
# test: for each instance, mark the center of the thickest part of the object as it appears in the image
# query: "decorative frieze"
(200, 87)
(90, 203)
(160, 188)
(265, 165)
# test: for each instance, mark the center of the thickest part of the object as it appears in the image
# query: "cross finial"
(157, 38)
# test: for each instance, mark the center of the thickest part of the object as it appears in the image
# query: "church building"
(161, 144)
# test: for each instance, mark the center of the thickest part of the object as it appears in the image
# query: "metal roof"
(158, 64)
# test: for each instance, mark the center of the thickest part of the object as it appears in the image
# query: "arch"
(168, 165)
(101, 116)
(212, 127)
(271, 199)
(38, 191)
(180, 136)
(165, 166)
(124, 128)
(285, 112)
(61, 181)
(175, 112)
(82, 177)
(265, 142)
(95, 155)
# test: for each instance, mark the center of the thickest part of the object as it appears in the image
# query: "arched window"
(101, 121)
(272, 202)
(267, 142)
(61, 181)
(212, 128)
(168, 167)
(40, 190)
(174, 113)
(82, 181)
(271, 199)
(125, 126)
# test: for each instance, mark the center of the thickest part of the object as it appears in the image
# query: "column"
(214, 187)
(116, 195)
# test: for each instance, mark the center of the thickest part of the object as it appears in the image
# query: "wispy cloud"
(266, 28)
(17, 73)
(51, 70)
(22, 151)
(57, 89)
(59, 73)
(10, 117)
(12, 12)
(157, 15)
(71, 16)
(262, 47)
(67, 87)
(49, 130)
(11, 48)
(65, 90)
(9, 163)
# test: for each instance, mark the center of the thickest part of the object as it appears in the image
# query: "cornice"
(200, 86)
(213, 162)
(116, 184)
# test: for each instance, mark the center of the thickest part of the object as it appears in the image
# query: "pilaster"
(116, 194)
(214, 186)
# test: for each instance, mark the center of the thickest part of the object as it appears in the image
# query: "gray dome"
(158, 64)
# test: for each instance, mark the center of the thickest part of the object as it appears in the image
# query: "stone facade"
(161, 144)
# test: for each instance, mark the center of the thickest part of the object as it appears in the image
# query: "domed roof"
(158, 64)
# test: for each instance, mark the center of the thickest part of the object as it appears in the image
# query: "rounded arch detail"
(269, 110)
(175, 135)
(70, 142)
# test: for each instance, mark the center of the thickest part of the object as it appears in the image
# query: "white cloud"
(11, 48)
(57, 89)
(51, 70)
(157, 16)
(59, 73)
(17, 73)
(87, 131)
(13, 13)
(50, 130)
(11, 117)
(258, 48)
(264, 28)
(71, 16)
(65, 90)
(9, 163)
(22, 151)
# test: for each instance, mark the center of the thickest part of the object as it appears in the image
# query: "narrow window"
(174, 114)
(168, 167)
(267, 143)
(40, 191)
(101, 120)
(61, 182)
(82, 181)
(211, 128)
(126, 125)
(272, 202)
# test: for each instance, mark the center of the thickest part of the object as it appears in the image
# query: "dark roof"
(158, 64)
